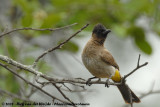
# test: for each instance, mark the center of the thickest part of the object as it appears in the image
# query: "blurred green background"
(119, 15)
(123, 17)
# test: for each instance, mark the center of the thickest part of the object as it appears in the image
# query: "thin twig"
(78, 86)
(33, 90)
(67, 87)
(125, 77)
(27, 28)
(58, 46)
(138, 60)
(58, 88)
(80, 79)
(70, 90)
(138, 67)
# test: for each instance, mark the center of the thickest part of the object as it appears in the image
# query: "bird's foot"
(89, 81)
(107, 82)
(99, 79)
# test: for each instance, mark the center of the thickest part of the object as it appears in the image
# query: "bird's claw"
(99, 80)
(107, 83)
(88, 82)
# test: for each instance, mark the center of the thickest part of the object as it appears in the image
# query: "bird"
(101, 64)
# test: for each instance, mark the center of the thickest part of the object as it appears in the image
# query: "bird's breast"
(95, 65)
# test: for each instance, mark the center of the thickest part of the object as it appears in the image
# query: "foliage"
(119, 15)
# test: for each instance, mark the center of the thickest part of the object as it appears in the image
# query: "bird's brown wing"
(108, 58)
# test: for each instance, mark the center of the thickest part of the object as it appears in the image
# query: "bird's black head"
(100, 31)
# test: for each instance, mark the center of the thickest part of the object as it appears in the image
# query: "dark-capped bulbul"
(101, 64)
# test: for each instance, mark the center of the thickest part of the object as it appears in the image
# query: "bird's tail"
(124, 89)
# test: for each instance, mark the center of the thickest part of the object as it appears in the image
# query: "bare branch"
(80, 81)
(138, 60)
(78, 86)
(51, 79)
(58, 46)
(70, 90)
(138, 67)
(55, 81)
(28, 82)
(58, 88)
(46, 29)
(18, 65)
(67, 87)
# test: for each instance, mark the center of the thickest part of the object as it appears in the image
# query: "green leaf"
(136, 32)
(139, 36)
(144, 46)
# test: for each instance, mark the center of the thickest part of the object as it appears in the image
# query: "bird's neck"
(97, 40)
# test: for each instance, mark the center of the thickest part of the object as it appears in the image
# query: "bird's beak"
(106, 32)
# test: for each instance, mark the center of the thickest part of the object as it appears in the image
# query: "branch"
(58, 46)
(28, 82)
(58, 88)
(67, 87)
(46, 29)
(35, 72)
(138, 67)
(134, 70)
(56, 81)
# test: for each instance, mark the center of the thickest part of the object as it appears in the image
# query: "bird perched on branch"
(101, 64)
